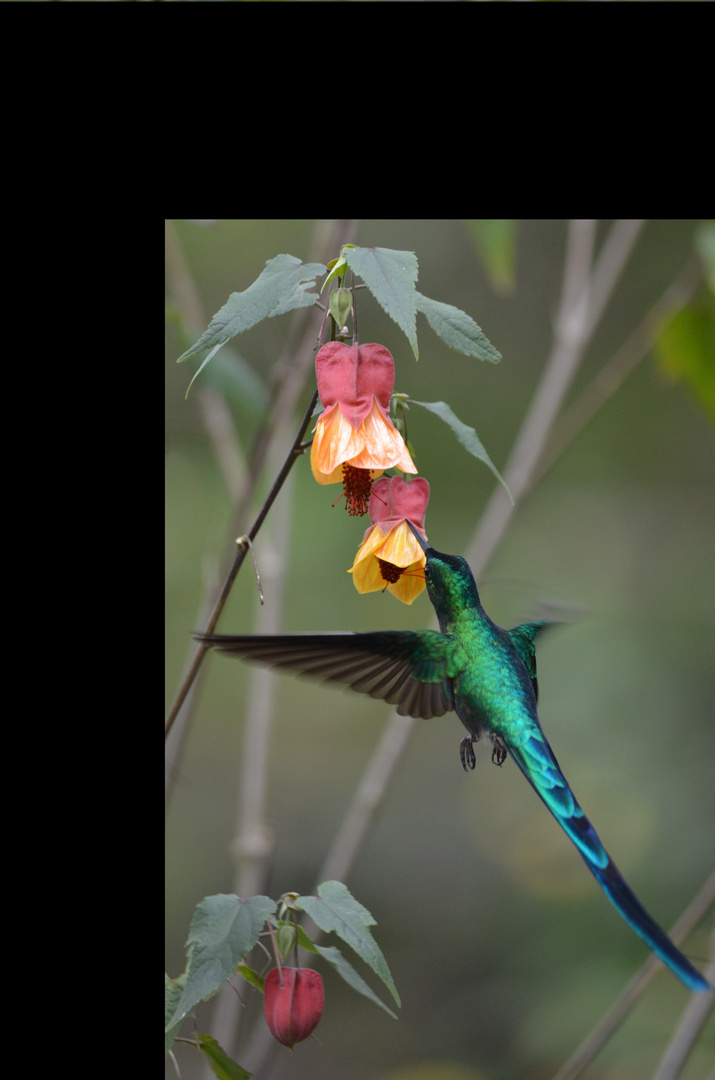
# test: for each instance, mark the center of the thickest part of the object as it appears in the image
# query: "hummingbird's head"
(450, 582)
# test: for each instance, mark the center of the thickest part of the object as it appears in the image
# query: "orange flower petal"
(375, 444)
(384, 447)
(335, 442)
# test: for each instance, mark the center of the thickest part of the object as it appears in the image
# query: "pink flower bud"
(293, 1010)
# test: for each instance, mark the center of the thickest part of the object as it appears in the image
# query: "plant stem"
(288, 464)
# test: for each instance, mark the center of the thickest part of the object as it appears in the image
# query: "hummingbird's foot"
(466, 753)
(498, 751)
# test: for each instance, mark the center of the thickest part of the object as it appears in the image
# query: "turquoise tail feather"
(536, 760)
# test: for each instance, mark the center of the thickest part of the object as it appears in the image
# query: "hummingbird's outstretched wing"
(411, 670)
(536, 760)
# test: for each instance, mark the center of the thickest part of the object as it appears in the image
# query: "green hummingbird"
(487, 675)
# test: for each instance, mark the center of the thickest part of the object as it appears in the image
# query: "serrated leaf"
(350, 975)
(300, 298)
(466, 435)
(335, 909)
(173, 989)
(280, 287)
(222, 931)
(222, 1065)
(390, 276)
(457, 329)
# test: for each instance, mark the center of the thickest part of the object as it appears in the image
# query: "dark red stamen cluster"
(356, 485)
(389, 572)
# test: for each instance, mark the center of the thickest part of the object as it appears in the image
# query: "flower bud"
(293, 1010)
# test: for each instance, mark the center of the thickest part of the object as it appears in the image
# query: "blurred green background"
(503, 948)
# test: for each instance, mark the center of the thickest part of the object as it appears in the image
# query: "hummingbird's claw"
(466, 753)
(498, 751)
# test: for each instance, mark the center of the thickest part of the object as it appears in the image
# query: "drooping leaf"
(336, 910)
(390, 276)
(173, 989)
(223, 929)
(457, 329)
(221, 1064)
(466, 435)
(349, 974)
(280, 287)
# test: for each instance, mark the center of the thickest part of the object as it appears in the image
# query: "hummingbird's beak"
(418, 536)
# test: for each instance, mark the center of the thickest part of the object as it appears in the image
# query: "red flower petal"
(392, 500)
(352, 375)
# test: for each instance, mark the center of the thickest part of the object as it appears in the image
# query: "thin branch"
(218, 607)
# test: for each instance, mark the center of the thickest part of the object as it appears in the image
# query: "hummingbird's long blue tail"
(536, 760)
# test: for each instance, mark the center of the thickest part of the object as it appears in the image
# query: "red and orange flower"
(390, 557)
(355, 440)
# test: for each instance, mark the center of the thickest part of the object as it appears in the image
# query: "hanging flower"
(390, 557)
(292, 1003)
(355, 440)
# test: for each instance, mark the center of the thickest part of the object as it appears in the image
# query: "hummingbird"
(487, 676)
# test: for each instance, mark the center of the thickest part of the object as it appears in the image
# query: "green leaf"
(223, 929)
(223, 1066)
(173, 989)
(457, 329)
(390, 276)
(336, 269)
(495, 239)
(335, 909)
(253, 978)
(466, 435)
(685, 349)
(280, 287)
(348, 972)
(304, 941)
